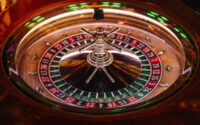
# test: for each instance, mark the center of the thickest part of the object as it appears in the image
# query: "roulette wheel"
(97, 60)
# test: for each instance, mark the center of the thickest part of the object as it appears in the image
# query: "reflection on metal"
(148, 39)
(100, 58)
(38, 89)
(161, 52)
(168, 68)
(34, 57)
(75, 70)
(32, 73)
(47, 43)
(164, 85)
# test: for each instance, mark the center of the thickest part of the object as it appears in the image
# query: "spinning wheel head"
(100, 29)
